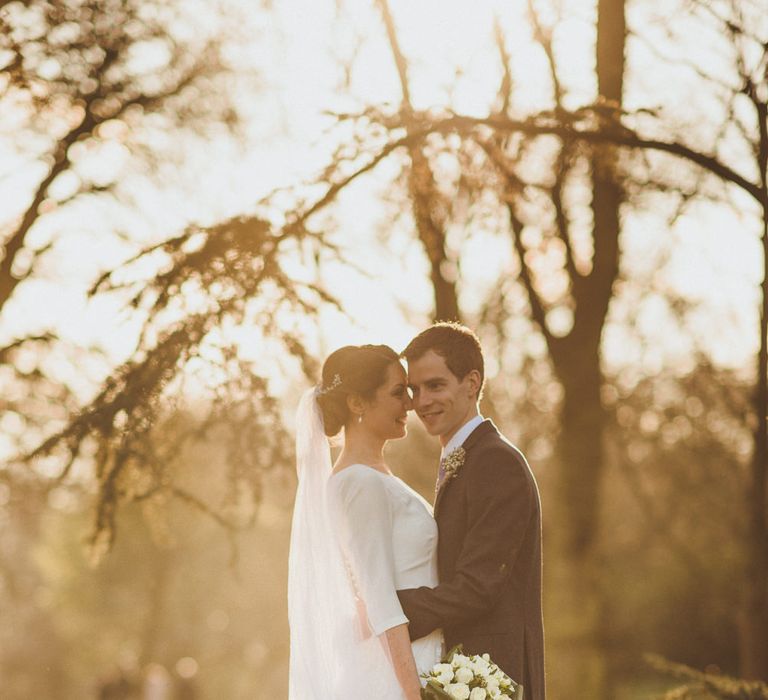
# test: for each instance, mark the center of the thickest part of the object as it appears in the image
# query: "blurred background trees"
(87, 78)
(560, 213)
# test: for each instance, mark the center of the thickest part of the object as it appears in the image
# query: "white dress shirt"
(461, 435)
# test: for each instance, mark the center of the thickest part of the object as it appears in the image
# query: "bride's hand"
(415, 696)
(401, 653)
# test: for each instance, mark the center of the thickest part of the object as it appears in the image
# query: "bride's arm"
(401, 653)
(365, 511)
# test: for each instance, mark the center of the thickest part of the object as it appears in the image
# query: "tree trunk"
(432, 237)
(574, 594)
(424, 195)
(753, 623)
(577, 645)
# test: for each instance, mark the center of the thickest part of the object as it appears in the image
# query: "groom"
(488, 516)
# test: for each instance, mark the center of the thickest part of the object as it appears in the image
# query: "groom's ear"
(474, 382)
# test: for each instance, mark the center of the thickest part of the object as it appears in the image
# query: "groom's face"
(442, 401)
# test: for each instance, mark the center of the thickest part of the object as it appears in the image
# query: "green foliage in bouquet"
(434, 691)
(471, 678)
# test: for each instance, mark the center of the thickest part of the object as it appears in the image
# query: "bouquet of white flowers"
(460, 677)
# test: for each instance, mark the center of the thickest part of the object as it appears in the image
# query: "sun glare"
(304, 55)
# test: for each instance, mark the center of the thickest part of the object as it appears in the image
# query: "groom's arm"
(500, 504)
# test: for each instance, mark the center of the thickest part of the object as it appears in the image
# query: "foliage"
(707, 686)
(94, 78)
(673, 543)
(673, 496)
(169, 590)
(235, 272)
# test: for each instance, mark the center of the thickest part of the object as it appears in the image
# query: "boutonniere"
(453, 462)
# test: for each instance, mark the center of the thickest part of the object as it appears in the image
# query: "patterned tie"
(440, 474)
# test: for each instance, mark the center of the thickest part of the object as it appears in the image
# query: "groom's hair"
(456, 344)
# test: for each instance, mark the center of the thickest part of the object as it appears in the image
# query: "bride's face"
(386, 415)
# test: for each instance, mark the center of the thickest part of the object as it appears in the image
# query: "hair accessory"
(335, 382)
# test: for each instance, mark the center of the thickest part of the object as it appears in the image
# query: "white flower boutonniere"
(453, 462)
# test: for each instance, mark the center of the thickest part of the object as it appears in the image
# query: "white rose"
(458, 691)
(464, 674)
(494, 693)
(492, 684)
(505, 681)
(478, 694)
(486, 658)
(445, 677)
(460, 660)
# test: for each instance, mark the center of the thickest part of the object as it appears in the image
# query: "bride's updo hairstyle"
(352, 369)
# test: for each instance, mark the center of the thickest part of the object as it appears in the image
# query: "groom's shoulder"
(493, 445)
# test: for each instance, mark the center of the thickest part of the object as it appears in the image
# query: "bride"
(359, 534)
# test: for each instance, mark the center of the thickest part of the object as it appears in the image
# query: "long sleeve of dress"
(365, 517)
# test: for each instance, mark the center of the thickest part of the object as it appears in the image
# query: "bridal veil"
(331, 657)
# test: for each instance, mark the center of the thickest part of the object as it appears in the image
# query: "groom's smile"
(430, 416)
(442, 401)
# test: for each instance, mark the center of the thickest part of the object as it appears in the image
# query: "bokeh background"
(200, 199)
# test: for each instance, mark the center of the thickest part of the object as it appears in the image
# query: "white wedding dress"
(389, 538)
(357, 537)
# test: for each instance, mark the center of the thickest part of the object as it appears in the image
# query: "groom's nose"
(418, 400)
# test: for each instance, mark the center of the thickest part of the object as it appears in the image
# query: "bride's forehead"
(396, 373)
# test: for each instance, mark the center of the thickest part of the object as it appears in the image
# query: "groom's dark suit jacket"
(489, 562)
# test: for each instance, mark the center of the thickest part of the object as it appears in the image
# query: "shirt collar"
(461, 435)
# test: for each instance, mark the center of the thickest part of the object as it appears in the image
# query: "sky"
(297, 49)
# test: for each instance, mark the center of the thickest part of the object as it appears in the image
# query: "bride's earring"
(360, 418)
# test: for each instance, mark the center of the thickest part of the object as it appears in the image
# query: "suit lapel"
(474, 437)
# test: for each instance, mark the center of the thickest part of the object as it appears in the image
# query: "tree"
(168, 591)
(428, 205)
(81, 81)
(90, 73)
(598, 146)
(235, 271)
(84, 76)
(575, 355)
(595, 138)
